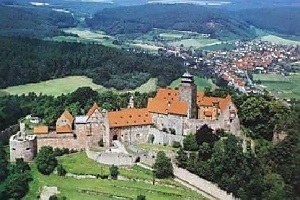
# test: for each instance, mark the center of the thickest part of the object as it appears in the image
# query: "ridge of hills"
(33, 22)
(184, 17)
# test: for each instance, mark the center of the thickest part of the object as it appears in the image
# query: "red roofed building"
(177, 112)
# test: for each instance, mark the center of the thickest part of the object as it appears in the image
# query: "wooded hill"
(33, 22)
(282, 20)
(220, 23)
(28, 61)
(183, 17)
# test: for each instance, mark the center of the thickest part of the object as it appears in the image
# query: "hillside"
(185, 17)
(282, 20)
(33, 22)
(30, 61)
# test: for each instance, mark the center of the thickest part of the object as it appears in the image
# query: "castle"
(171, 114)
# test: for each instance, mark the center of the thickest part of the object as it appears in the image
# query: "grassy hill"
(104, 189)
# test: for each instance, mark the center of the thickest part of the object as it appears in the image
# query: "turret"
(188, 93)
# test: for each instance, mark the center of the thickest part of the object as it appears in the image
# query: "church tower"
(188, 93)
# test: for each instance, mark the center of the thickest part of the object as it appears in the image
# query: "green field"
(90, 189)
(200, 82)
(279, 40)
(196, 43)
(149, 146)
(69, 84)
(85, 36)
(55, 87)
(279, 85)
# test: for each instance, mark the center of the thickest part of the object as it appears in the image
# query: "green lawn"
(69, 84)
(55, 87)
(280, 86)
(149, 146)
(200, 82)
(88, 189)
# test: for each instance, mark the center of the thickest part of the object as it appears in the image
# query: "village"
(237, 63)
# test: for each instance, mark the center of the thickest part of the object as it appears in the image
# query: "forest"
(25, 60)
(282, 20)
(33, 22)
(184, 17)
(261, 171)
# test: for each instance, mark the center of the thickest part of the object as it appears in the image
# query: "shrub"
(141, 197)
(176, 144)
(61, 170)
(114, 172)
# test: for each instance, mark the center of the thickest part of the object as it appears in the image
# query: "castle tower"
(188, 93)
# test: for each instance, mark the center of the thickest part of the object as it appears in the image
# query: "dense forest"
(184, 17)
(261, 171)
(28, 61)
(282, 20)
(33, 22)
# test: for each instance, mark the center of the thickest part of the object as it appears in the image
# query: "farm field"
(69, 84)
(280, 86)
(200, 82)
(196, 43)
(279, 40)
(90, 189)
(161, 37)
(85, 36)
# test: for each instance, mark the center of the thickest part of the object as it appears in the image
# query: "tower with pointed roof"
(188, 93)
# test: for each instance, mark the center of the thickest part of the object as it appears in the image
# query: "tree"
(45, 160)
(205, 134)
(190, 143)
(3, 163)
(182, 158)
(163, 166)
(275, 188)
(114, 172)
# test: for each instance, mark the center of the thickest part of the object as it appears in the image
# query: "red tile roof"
(68, 116)
(129, 117)
(92, 109)
(63, 129)
(40, 130)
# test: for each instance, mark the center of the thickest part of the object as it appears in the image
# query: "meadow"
(201, 83)
(279, 85)
(195, 42)
(279, 40)
(59, 86)
(54, 87)
(90, 189)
